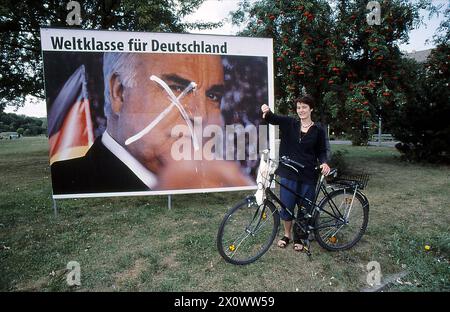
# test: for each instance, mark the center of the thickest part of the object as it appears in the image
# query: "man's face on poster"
(147, 99)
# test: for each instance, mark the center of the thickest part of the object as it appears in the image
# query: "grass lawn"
(137, 244)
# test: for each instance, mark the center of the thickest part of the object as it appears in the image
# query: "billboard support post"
(169, 202)
(55, 207)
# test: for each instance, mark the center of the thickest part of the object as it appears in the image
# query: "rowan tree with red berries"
(329, 50)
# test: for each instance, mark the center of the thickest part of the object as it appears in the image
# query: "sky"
(218, 10)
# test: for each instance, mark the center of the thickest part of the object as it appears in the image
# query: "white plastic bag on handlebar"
(266, 168)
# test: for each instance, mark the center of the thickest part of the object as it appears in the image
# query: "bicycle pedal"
(307, 250)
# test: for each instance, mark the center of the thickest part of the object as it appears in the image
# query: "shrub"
(338, 161)
(421, 124)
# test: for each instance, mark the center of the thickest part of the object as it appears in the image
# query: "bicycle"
(338, 221)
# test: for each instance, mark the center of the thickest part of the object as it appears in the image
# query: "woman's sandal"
(283, 242)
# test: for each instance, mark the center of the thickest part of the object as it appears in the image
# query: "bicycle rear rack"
(359, 179)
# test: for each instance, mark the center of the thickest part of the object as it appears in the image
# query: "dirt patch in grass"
(132, 273)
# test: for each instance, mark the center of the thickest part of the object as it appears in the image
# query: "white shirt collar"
(147, 177)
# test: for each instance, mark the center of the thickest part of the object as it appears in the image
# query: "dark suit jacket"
(99, 171)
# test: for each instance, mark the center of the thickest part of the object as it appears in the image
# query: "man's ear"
(116, 93)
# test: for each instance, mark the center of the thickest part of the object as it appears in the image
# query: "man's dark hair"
(306, 99)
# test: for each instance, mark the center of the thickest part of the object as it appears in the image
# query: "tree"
(20, 61)
(330, 51)
(22, 124)
(422, 123)
(302, 50)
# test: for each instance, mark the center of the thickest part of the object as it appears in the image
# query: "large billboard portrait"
(152, 113)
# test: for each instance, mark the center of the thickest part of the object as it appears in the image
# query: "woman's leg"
(306, 191)
(289, 200)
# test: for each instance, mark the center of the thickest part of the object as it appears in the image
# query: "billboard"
(135, 113)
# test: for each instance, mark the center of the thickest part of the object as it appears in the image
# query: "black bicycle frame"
(314, 207)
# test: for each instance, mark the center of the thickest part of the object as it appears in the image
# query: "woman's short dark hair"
(306, 99)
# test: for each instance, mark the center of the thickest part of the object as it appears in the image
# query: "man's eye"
(178, 88)
(215, 96)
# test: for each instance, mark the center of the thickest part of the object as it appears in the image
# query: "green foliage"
(328, 50)
(20, 61)
(442, 35)
(21, 124)
(338, 161)
(422, 123)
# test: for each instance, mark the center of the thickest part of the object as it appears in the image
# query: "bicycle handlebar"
(287, 160)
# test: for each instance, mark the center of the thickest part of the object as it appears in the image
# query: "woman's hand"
(325, 169)
(265, 109)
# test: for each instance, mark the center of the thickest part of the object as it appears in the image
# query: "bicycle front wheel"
(342, 220)
(247, 231)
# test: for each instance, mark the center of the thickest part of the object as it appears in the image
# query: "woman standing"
(303, 141)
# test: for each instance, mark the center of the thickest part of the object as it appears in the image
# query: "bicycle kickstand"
(307, 247)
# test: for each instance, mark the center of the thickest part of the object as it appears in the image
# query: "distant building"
(419, 56)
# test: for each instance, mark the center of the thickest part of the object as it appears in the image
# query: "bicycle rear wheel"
(351, 209)
(247, 231)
